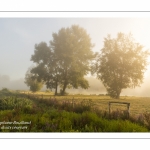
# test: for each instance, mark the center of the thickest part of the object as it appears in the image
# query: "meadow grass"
(74, 113)
(138, 105)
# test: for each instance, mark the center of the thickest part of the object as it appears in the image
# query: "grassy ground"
(50, 115)
(71, 113)
(138, 105)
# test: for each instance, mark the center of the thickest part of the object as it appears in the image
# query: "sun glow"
(147, 72)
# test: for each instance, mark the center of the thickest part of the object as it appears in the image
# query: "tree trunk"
(56, 89)
(65, 82)
(118, 94)
(64, 88)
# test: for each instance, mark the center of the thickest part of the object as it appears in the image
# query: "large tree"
(120, 64)
(66, 61)
(46, 68)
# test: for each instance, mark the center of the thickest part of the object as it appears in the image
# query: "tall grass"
(62, 121)
(54, 115)
(14, 103)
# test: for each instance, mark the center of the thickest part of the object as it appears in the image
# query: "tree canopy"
(66, 60)
(120, 64)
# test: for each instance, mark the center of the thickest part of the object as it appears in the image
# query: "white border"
(72, 5)
(62, 14)
(73, 14)
(73, 135)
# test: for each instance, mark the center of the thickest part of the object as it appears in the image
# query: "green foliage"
(46, 68)
(46, 118)
(66, 61)
(32, 81)
(62, 121)
(14, 103)
(6, 92)
(121, 64)
(141, 119)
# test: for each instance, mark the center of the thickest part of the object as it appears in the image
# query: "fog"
(96, 87)
(6, 82)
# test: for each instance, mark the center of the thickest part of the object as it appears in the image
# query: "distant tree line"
(63, 63)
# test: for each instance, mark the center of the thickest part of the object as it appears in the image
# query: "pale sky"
(19, 35)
